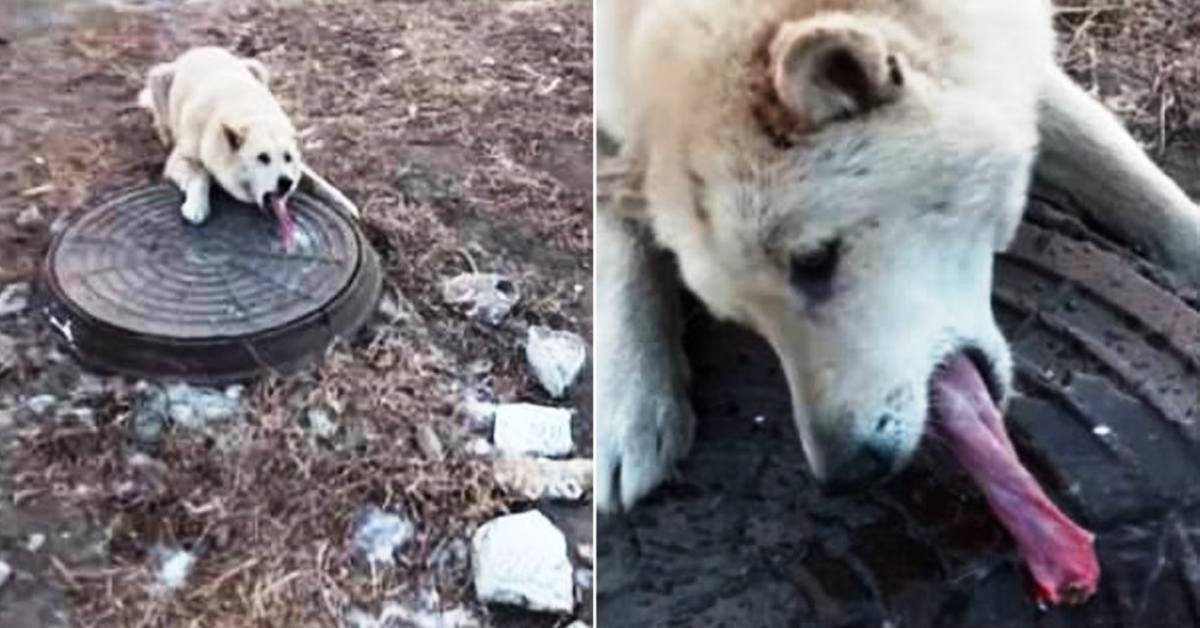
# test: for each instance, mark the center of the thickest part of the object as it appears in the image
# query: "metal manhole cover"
(1106, 414)
(135, 289)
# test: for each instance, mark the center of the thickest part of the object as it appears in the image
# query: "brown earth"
(463, 129)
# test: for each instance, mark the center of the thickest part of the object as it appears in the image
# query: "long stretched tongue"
(287, 228)
(1057, 553)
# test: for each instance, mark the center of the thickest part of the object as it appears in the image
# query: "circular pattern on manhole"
(135, 289)
(1105, 414)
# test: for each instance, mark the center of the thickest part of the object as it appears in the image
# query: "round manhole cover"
(135, 289)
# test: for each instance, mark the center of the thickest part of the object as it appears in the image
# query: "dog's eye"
(812, 272)
(287, 158)
(264, 158)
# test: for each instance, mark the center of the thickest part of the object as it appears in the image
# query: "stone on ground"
(521, 560)
(523, 429)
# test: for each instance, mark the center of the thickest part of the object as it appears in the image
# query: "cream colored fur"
(757, 133)
(217, 114)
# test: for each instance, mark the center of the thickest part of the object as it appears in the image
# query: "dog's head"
(267, 161)
(829, 181)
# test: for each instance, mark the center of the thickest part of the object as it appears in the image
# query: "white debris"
(480, 448)
(534, 479)
(586, 553)
(524, 429)
(1102, 430)
(35, 542)
(5, 573)
(320, 422)
(556, 357)
(583, 578)
(522, 560)
(173, 568)
(381, 534)
(30, 217)
(426, 614)
(487, 297)
(479, 415)
(39, 404)
(14, 298)
(196, 407)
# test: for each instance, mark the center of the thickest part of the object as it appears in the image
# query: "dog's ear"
(235, 137)
(259, 70)
(833, 67)
(619, 187)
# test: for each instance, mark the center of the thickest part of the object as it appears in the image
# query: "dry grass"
(1142, 57)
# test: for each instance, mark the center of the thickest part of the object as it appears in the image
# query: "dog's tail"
(324, 189)
(155, 97)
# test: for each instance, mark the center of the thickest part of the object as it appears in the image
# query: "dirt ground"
(463, 129)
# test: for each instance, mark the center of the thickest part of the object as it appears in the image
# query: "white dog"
(838, 176)
(216, 113)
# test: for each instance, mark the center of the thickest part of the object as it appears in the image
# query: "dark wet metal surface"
(134, 288)
(1106, 417)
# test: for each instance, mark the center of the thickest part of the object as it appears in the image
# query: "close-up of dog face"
(835, 188)
(268, 163)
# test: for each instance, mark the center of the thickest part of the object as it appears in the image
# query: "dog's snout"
(868, 465)
(284, 185)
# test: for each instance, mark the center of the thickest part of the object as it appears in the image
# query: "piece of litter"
(1102, 430)
(521, 560)
(556, 357)
(39, 404)
(14, 298)
(524, 429)
(534, 479)
(487, 297)
(479, 415)
(381, 535)
(174, 567)
(35, 542)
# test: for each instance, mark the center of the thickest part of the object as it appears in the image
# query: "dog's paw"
(195, 210)
(642, 436)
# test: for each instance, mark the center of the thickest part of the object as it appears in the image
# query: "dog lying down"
(216, 113)
(838, 175)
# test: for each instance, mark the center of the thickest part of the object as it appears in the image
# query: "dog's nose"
(869, 465)
(284, 185)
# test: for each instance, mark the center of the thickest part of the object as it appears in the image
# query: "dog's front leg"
(194, 181)
(644, 420)
(1087, 153)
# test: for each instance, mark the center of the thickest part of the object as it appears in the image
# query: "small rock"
(521, 560)
(5, 573)
(173, 567)
(556, 357)
(534, 479)
(486, 297)
(195, 407)
(524, 429)
(41, 403)
(381, 534)
(430, 443)
(14, 299)
(320, 422)
(31, 217)
(35, 542)
(481, 448)
(479, 415)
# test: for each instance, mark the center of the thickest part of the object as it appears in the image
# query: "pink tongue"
(1057, 553)
(287, 228)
